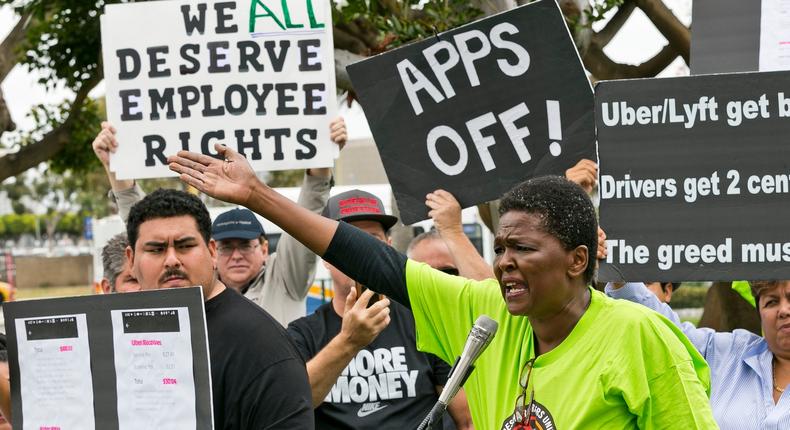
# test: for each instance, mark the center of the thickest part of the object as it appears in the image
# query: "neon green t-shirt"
(622, 367)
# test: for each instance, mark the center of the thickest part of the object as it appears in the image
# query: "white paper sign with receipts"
(256, 76)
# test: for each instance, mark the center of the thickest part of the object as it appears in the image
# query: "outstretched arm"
(357, 254)
(294, 267)
(231, 179)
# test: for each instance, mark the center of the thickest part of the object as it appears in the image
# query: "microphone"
(477, 341)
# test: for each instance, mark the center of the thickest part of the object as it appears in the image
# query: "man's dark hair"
(664, 285)
(566, 210)
(165, 203)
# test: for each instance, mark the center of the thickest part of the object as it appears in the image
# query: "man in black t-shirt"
(258, 379)
(364, 368)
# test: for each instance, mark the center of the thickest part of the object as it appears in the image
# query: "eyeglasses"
(522, 411)
(244, 249)
(448, 270)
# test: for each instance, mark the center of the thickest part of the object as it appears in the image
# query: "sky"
(635, 43)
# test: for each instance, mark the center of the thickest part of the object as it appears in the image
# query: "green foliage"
(71, 224)
(61, 192)
(599, 8)
(402, 21)
(14, 225)
(286, 178)
(17, 225)
(689, 296)
(77, 156)
(63, 43)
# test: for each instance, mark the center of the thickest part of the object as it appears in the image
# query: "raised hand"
(361, 324)
(337, 131)
(445, 212)
(105, 143)
(584, 173)
(601, 253)
(229, 178)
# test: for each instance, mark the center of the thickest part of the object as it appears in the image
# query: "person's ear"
(265, 248)
(668, 292)
(577, 261)
(130, 257)
(212, 250)
(105, 286)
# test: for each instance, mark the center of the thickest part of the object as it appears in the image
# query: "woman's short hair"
(566, 210)
(759, 287)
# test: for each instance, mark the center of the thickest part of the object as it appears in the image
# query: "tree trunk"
(10, 48)
(726, 310)
(32, 154)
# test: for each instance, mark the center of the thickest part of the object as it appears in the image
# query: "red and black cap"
(358, 205)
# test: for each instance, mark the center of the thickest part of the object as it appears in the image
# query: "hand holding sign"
(445, 212)
(105, 143)
(584, 173)
(602, 251)
(337, 132)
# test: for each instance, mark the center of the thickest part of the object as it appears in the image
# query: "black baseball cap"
(358, 205)
(237, 224)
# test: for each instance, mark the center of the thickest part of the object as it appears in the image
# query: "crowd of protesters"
(379, 354)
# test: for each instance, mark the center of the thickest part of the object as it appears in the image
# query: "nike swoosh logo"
(363, 412)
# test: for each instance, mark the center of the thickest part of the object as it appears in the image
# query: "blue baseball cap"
(237, 224)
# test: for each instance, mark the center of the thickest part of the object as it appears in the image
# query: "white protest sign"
(256, 76)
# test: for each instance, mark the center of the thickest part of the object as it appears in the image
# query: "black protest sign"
(695, 177)
(478, 109)
(110, 361)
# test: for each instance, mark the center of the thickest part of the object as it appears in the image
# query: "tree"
(363, 28)
(60, 39)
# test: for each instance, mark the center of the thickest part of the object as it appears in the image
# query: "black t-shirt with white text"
(387, 385)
